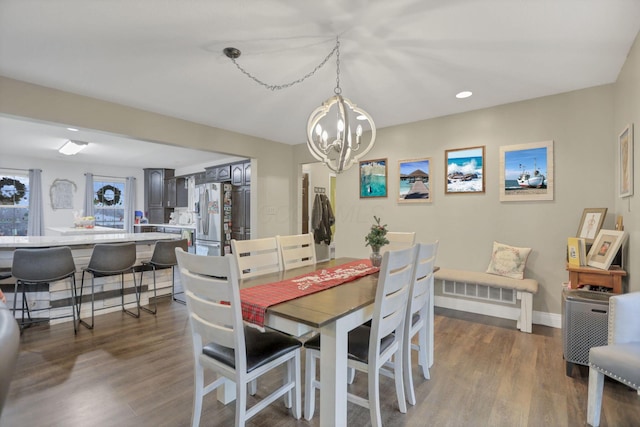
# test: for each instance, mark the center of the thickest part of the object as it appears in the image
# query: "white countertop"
(10, 242)
(180, 226)
(71, 231)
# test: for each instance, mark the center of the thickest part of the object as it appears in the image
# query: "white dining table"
(333, 312)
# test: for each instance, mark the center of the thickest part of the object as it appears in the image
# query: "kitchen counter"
(80, 231)
(12, 242)
(178, 226)
(54, 301)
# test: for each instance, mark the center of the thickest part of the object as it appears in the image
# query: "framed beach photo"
(591, 223)
(414, 184)
(373, 178)
(526, 172)
(464, 170)
(625, 156)
(605, 248)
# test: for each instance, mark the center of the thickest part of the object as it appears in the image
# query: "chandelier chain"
(337, 90)
(300, 80)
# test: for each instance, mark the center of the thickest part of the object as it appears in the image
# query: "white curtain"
(35, 225)
(88, 195)
(129, 203)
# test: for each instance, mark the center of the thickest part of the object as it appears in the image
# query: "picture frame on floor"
(373, 178)
(414, 181)
(526, 172)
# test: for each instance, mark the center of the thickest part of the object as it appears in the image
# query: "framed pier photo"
(414, 181)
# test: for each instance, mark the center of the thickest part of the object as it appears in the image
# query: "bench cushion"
(524, 285)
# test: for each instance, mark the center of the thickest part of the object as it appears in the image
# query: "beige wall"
(271, 186)
(583, 125)
(627, 111)
(580, 124)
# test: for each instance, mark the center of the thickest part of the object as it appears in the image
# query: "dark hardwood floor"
(138, 372)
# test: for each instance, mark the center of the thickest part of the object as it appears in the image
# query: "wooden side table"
(612, 278)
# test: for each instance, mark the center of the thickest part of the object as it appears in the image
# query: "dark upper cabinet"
(155, 193)
(176, 193)
(241, 173)
(218, 173)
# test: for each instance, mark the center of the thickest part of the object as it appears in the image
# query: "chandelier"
(339, 133)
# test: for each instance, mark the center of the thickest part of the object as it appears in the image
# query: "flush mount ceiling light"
(464, 94)
(72, 147)
(332, 134)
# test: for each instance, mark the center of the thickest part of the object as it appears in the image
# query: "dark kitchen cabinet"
(241, 212)
(154, 195)
(176, 193)
(241, 173)
(218, 173)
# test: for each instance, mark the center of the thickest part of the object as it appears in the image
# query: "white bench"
(525, 289)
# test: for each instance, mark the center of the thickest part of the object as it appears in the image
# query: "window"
(108, 202)
(14, 205)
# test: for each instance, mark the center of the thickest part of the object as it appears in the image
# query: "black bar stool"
(164, 256)
(109, 260)
(32, 267)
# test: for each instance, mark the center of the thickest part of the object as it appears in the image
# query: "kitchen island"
(82, 231)
(55, 301)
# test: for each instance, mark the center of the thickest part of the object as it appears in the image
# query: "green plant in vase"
(376, 239)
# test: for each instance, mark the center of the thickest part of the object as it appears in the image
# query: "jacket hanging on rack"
(322, 219)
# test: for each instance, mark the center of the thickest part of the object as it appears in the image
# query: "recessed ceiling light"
(72, 129)
(464, 94)
(72, 147)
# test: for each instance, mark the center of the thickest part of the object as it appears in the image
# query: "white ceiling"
(401, 60)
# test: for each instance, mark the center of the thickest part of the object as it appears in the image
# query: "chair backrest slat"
(423, 276)
(297, 250)
(256, 256)
(213, 300)
(392, 295)
(399, 240)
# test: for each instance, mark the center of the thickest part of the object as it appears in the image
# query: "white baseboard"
(513, 313)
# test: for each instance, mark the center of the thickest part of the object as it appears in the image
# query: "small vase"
(375, 257)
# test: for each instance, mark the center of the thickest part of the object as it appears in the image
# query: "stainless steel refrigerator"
(213, 218)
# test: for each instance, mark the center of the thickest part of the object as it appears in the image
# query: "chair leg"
(309, 389)
(423, 351)
(398, 361)
(408, 371)
(374, 396)
(73, 303)
(241, 404)
(253, 387)
(78, 311)
(173, 287)
(198, 395)
(296, 393)
(155, 292)
(135, 287)
(594, 399)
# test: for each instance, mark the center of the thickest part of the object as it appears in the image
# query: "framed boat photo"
(414, 184)
(464, 170)
(373, 178)
(526, 172)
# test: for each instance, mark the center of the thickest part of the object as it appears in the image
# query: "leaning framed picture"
(591, 223)
(526, 172)
(413, 180)
(625, 156)
(373, 178)
(464, 170)
(605, 248)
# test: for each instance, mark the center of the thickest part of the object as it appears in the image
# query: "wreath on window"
(11, 191)
(100, 194)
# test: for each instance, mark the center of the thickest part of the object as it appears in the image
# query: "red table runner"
(257, 299)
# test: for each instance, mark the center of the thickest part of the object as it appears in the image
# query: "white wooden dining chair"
(297, 250)
(369, 348)
(256, 256)
(399, 240)
(417, 320)
(224, 345)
